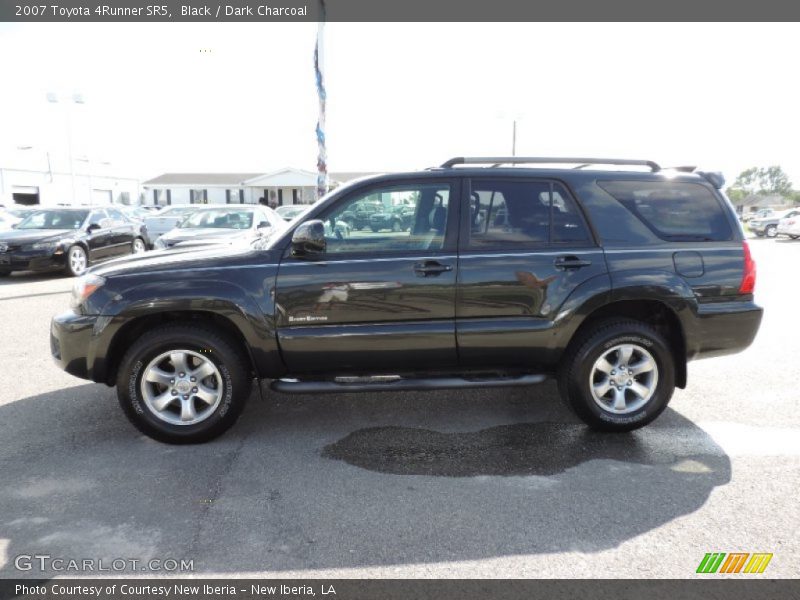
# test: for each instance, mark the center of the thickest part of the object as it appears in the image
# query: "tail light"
(748, 285)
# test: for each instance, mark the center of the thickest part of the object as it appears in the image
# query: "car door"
(524, 248)
(122, 233)
(99, 239)
(375, 302)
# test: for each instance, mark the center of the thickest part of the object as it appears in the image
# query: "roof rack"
(515, 160)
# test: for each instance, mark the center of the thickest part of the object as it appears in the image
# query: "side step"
(395, 383)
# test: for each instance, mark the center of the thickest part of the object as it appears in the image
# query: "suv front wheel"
(183, 384)
(619, 376)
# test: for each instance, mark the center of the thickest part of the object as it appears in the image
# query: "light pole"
(52, 97)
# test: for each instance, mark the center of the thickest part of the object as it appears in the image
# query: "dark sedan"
(67, 238)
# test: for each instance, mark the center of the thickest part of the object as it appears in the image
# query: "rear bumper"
(722, 328)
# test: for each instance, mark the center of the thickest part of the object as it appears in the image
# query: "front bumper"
(31, 260)
(73, 343)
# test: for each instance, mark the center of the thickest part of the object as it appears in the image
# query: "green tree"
(761, 181)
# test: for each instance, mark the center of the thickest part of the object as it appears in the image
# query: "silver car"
(166, 219)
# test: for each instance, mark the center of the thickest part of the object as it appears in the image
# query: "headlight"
(45, 246)
(84, 287)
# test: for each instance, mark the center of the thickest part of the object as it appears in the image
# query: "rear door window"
(507, 214)
(674, 211)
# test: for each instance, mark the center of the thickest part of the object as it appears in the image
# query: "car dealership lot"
(485, 483)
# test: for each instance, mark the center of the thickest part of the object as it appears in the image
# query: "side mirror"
(92, 227)
(308, 240)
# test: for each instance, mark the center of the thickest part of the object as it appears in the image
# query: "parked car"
(8, 220)
(358, 216)
(167, 219)
(789, 225)
(768, 226)
(290, 211)
(223, 224)
(397, 218)
(610, 283)
(67, 238)
(759, 214)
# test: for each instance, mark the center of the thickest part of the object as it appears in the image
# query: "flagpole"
(319, 71)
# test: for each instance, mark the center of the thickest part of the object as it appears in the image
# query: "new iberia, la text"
(178, 589)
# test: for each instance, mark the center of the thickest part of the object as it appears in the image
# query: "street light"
(76, 98)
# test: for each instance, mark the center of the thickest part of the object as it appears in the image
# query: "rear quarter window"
(674, 211)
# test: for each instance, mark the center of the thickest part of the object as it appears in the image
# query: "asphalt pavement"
(483, 483)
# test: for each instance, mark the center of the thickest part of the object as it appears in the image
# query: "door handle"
(430, 267)
(571, 262)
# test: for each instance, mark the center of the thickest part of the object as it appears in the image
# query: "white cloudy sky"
(401, 95)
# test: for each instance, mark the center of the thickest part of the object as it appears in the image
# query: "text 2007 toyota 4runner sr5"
(609, 278)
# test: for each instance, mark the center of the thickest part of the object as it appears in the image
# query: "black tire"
(794, 237)
(70, 269)
(375, 229)
(223, 352)
(575, 374)
(141, 243)
(5, 273)
(759, 234)
(771, 231)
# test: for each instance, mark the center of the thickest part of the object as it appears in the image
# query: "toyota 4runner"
(609, 276)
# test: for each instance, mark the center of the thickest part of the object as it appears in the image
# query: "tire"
(375, 229)
(138, 246)
(771, 231)
(77, 261)
(759, 234)
(794, 237)
(5, 273)
(228, 385)
(579, 373)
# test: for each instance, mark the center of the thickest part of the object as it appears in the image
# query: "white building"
(281, 187)
(33, 178)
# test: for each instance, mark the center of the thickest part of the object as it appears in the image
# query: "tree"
(761, 181)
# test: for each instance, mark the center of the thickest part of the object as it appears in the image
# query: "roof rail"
(515, 160)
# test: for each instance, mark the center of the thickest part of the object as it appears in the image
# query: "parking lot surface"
(483, 483)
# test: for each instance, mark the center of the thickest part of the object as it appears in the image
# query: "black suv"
(358, 215)
(609, 280)
(397, 218)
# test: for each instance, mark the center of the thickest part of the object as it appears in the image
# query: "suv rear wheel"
(183, 384)
(619, 377)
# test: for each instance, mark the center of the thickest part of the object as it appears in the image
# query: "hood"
(207, 233)
(176, 259)
(24, 236)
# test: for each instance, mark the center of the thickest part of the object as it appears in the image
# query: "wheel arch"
(656, 313)
(133, 328)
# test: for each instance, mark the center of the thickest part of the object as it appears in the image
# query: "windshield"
(54, 219)
(175, 211)
(219, 219)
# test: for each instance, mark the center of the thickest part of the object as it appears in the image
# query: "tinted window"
(510, 214)
(219, 219)
(54, 219)
(674, 211)
(391, 219)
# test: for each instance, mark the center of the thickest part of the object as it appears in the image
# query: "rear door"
(524, 248)
(100, 240)
(376, 302)
(122, 233)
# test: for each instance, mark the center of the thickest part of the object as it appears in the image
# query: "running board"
(394, 383)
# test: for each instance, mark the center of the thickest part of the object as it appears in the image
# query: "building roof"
(236, 179)
(201, 178)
